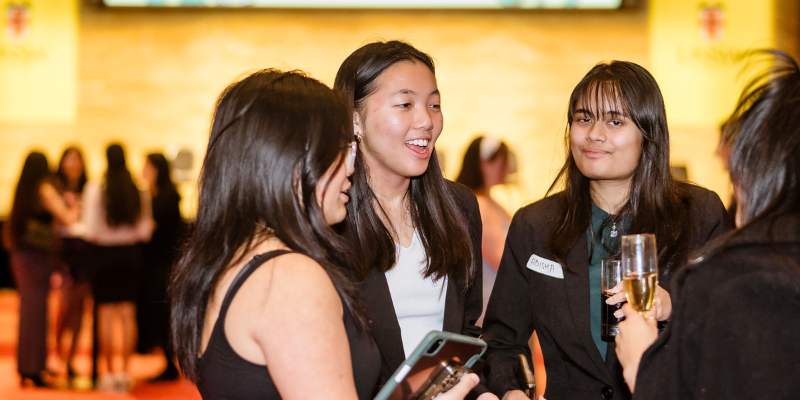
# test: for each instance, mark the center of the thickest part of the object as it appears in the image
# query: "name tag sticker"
(545, 267)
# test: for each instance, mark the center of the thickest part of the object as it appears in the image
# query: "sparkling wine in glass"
(640, 266)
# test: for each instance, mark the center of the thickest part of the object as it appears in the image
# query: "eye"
(404, 105)
(584, 120)
(436, 106)
(615, 122)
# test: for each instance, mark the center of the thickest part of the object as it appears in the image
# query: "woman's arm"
(635, 335)
(55, 205)
(300, 331)
(494, 233)
(146, 224)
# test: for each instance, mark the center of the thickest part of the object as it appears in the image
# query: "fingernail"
(610, 300)
(619, 314)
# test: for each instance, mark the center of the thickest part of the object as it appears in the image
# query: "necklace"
(613, 233)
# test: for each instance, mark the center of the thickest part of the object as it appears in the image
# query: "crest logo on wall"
(18, 19)
(712, 22)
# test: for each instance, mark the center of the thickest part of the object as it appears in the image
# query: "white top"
(97, 231)
(418, 301)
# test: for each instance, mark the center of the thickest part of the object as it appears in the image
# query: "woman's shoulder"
(295, 272)
(542, 210)
(699, 197)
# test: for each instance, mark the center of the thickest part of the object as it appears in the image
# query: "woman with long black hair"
(160, 254)
(733, 329)
(616, 180)
(29, 234)
(118, 219)
(261, 305)
(417, 236)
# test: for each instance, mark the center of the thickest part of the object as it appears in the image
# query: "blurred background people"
(30, 236)
(74, 257)
(118, 217)
(736, 305)
(160, 253)
(487, 163)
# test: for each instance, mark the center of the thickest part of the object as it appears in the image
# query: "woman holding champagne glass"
(616, 180)
(736, 313)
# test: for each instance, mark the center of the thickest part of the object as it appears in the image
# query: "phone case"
(436, 365)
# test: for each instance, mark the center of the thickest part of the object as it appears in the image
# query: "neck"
(72, 184)
(389, 188)
(610, 195)
(391, 192)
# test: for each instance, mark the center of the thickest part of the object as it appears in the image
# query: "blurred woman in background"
(29, 235)
(118, 218)
(417, 235)
(160, 253)
(736, 305)
(487, 163)
(75, 283)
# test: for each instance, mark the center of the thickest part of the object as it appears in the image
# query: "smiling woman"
(417, 235)
(616, 180)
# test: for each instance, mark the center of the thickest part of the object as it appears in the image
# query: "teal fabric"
(603, 242)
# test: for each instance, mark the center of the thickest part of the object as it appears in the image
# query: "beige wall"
(150, 77)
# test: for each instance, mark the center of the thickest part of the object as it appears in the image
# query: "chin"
(416, 170)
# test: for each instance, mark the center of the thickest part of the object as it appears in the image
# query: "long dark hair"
(764, 131)
(120, 195)
(27, 200)
(164, 183)
(62, 177)
(471, 175)
(434, 211)
(273, 137)
(657, 202)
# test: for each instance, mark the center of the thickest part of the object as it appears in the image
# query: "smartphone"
(435, 366)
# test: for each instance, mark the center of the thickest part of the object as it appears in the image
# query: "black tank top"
(223, 374)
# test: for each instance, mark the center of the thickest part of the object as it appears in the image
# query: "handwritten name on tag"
(545, 267)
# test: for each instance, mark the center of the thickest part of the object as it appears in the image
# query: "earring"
(359, 137)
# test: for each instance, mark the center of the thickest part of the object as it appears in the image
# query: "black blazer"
(558, 309)
(461, 309)
(735, 321)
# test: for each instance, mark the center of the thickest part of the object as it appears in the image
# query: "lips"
(594, 153)
(418, 146)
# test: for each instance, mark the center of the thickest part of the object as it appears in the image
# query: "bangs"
(599, 97)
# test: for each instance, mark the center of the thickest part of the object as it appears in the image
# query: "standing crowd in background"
(111, 243)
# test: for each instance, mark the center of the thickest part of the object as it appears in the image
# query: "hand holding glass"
(640, 266)
(610, 276)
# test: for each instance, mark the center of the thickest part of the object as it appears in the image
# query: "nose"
(596, 133)
(423, 119)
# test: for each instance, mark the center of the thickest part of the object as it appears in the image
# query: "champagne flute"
(640, 267)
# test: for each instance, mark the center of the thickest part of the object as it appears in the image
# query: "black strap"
(242, 276)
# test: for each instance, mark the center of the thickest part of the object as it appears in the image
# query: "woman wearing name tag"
(616, 180)
(736, 314)
(418, 235)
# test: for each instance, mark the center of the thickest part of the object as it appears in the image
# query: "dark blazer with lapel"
(461, 310)
(735, 321)
(558, 309)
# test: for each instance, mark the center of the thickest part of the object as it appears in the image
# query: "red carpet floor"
(142, 366)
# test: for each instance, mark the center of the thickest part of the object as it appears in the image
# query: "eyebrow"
(411, 92)
(613, 113)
